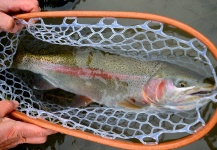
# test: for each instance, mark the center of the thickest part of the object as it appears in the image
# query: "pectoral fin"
(43, 84)
(132, 104)
(80, 100)
(128, 104)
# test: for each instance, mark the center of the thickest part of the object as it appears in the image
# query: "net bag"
(151, 37)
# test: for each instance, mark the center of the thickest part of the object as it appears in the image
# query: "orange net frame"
(119, 143)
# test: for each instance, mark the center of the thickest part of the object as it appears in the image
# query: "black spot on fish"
(133, 100)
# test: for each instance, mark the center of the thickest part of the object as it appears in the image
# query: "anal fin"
(43, 84)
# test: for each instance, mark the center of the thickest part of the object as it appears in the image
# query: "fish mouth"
(189, 101)
(201, 93)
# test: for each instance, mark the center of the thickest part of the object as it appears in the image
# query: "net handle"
(117, 143)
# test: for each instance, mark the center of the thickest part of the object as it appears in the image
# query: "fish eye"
(182, 84)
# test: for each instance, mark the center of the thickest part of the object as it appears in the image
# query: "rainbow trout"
(116, 81)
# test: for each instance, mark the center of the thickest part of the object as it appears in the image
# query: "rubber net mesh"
(148, 40)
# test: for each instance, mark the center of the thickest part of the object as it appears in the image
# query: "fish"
(116, 81)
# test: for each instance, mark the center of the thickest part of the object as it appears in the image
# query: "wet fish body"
(116, 81)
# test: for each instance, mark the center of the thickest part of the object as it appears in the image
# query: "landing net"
(146, 40)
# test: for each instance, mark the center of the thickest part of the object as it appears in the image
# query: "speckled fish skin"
(117, 81)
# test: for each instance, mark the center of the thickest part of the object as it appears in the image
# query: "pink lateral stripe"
(88, 72)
